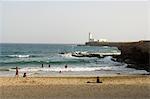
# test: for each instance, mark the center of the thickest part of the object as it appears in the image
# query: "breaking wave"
(57, 69)
(18, 56)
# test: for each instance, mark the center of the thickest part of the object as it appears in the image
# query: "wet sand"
(115, 87)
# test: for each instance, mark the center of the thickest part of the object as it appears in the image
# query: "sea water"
(30, 57)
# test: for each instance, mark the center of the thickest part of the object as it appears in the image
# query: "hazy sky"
(37, 21)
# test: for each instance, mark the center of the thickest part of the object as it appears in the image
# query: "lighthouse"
(90, 37)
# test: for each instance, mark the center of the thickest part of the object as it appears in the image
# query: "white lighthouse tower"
(90, 37)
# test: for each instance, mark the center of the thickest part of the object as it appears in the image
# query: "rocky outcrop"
(87, 54)
(136, 54)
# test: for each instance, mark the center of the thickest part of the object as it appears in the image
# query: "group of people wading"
(25, 74)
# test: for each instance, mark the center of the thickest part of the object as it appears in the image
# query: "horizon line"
(39, 43)
(66, 43)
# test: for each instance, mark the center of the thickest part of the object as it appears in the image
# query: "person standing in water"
(66, 66)
(49, 65)
(42, 66)
(17, 72)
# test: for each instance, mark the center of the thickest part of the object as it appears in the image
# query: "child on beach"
(24, 75)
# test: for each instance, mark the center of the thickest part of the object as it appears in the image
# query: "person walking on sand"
(17, 72)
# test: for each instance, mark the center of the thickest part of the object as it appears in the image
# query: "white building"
(102, 40)
(91, 39)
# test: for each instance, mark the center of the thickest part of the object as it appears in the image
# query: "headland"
(135, 54)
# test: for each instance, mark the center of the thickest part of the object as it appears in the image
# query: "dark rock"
(135, 53)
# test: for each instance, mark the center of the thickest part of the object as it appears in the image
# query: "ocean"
(30, 57)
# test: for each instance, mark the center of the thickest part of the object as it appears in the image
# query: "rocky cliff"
(136, 54)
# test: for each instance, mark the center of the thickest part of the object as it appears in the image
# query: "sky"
(48, 21)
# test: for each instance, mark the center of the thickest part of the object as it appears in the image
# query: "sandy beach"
(115, 87)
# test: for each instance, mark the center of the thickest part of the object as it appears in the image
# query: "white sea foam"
(68, 55)
(111, 53)
(86, 54)
(19, 56)
(57, 69)
(108, 60)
